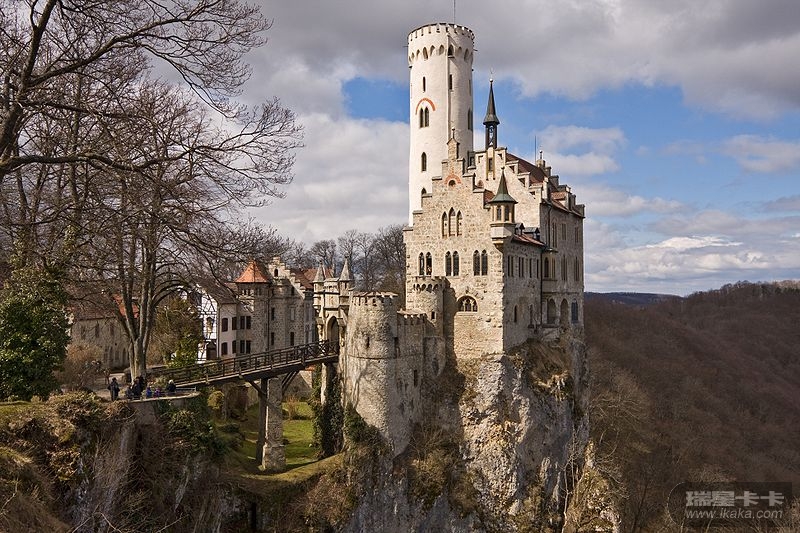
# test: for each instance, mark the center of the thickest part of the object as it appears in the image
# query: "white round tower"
(440, 67)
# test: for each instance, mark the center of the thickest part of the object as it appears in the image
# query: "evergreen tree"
(33, 334)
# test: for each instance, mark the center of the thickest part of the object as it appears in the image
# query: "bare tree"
(122, 179)
(325, 253)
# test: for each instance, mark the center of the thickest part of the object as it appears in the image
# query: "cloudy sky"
(676, 122)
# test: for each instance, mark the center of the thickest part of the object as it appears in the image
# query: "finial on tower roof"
(490, 120)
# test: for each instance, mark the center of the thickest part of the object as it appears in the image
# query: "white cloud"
(786, 203)
(351, 174)
(759, 154)
(603, 200)
(580, 151)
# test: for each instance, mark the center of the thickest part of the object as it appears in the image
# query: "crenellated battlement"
(374, 299)
(440, 28)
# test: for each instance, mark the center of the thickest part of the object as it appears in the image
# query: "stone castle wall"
(382, 365)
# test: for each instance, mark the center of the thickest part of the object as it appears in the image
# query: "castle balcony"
(550, 286)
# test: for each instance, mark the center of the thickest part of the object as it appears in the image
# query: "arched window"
(476, 263)
(427, 114)
(577, 270)
(450, 51)
(444, 224)
(451, 222)
(484, 263)
(421, 118)
(564, 268)
(467, 304)
(574, 312)
(469, 119)
(428, 264)
(421, 264)
(546, 268)
(423, 83)
(448, 264)
(456, 264)
(458, 223)
(423, 163)
(425, 53)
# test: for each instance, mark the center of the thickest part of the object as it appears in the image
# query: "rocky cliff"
(502, 448)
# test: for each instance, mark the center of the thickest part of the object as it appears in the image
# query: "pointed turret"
(320, 277)
(490, 120)
(502, 196)
(502, 207)
(345, 275)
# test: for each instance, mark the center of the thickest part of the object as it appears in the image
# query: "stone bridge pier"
(270, 451)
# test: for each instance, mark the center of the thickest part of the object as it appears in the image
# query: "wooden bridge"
(285, 362)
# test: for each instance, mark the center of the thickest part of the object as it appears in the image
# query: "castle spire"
(345, 275)
(320, 273)
(490, 120)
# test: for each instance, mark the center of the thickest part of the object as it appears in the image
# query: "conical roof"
(345, 275)
(491, 114)
(502, 195)
(320, 273)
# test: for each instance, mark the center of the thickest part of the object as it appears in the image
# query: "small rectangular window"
(225, 324)
(233, 347)
(247, 346)
(248, 322)
(272, 338)
(242, 346)
(291, 338)
(234, 323)
(224, 348)
(272, 313)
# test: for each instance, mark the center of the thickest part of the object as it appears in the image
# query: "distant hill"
(705, 387)
(629, 298)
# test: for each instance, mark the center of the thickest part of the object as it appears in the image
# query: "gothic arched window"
(484, 263)
(421, 264)
(428, 264)
(456, 264)
(476, 263)
(423, 163)
(451, 222)
(467, 304)
(444, 224)
(448, 264)
(458, 223)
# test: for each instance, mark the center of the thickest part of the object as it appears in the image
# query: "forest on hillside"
(702, 388)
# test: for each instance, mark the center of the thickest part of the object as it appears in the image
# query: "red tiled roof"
(537, 174)
(253, 273)
(526, 239)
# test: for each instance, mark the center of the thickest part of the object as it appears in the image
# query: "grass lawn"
(298, 436)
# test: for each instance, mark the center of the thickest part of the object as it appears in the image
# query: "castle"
(494, 250)
(494, 259)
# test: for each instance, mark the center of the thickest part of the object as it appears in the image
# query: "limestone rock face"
(500, 448)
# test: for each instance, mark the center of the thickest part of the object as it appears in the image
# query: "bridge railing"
(220, 369)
